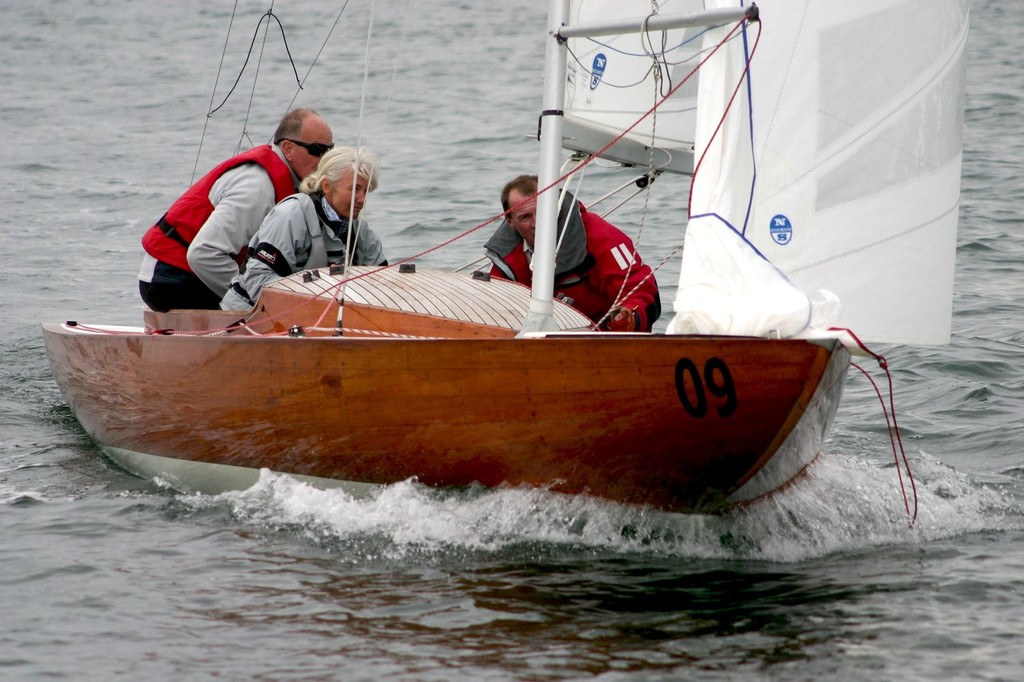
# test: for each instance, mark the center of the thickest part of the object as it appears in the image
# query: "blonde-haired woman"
(315, 228)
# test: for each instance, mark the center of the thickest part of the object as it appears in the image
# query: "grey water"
(103, 110)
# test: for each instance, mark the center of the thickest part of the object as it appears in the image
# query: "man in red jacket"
(194, 250)
(597, 269)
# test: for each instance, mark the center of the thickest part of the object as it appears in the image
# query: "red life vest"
(168, 240)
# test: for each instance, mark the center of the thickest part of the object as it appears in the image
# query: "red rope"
(895, 439)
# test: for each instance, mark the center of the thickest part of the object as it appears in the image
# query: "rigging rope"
(256, 77)
(398, 58)
(352, 236)
(895, 439)
(268, 15)
(316, 58)
(660, 72)
(216, 82)
(300, 82)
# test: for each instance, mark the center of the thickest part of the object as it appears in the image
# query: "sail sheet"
(829, 196)
(613, 80)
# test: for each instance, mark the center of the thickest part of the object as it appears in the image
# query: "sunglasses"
(314, 148)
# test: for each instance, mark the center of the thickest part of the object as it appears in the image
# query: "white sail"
(611, 83)
(836, 175)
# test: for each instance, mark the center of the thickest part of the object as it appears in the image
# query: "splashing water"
(843, 503)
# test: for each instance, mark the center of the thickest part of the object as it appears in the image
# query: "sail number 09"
(694, 387)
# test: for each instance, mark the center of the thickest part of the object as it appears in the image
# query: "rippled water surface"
(106, 576)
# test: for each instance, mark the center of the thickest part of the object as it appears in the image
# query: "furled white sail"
(830, 194)
(612, 82)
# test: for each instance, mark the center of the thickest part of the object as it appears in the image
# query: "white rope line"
(398, 58)
(372, 332)
(479, 261)
(213, 93)
(561, 196)
(338, 331)
(316, 59)
(366, 75)
(355, 225)
(628, 199)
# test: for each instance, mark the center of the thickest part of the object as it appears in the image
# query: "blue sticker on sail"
(781, 229)
(597, 69)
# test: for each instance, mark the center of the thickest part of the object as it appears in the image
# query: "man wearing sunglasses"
(193, 252)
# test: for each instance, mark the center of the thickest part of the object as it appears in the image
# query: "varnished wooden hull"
(680, 423)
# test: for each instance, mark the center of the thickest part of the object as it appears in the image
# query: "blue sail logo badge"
(597, 69)
(781, 230)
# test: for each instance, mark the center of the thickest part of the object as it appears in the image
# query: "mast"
(540, 316)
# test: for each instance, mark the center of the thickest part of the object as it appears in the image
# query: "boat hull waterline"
(681, 423)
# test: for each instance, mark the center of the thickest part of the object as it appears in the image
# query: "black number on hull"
(693, 387)
(719, 381)
(688, 376)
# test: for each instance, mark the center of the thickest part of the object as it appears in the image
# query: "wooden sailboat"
(364, 377)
